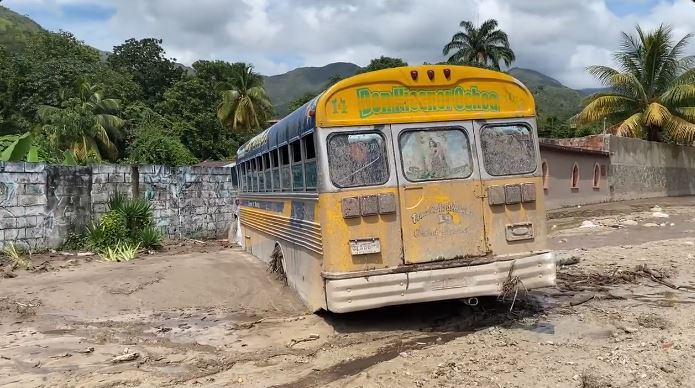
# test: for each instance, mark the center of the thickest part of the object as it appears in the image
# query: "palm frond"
(630, 127)
(679, 96)
(686, 113)
(656, 115)
(680, 130)
(602, 105)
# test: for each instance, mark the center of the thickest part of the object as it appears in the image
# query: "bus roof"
(409, 94)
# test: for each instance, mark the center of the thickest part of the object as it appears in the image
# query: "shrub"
(153, 146)
(127, 226)
(151, 238)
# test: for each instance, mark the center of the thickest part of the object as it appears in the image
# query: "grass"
(15, 257)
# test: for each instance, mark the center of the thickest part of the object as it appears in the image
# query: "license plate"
(364, 247)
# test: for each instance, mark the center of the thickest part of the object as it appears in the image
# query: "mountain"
(553, 99)
(15, 29)
(284, 88)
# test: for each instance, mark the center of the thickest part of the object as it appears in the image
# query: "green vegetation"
(72, 104)
(15, 29)
(484, 46)
(652, 94)
(124, 229)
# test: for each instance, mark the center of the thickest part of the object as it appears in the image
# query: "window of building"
(544, 169)
(597, 176)
(575, 177)
(435, 154)
(357, 159)
(508, 149)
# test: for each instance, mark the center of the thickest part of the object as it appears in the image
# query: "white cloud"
(556, 37)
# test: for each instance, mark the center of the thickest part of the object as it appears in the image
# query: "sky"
(556, 37)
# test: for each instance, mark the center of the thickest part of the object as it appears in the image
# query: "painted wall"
(559, 192)
(643, 169)
(40, 205)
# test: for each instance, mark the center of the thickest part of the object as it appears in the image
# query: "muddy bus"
(404, 185)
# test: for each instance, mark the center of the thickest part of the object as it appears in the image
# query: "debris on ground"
(295, 341)
(125, 358)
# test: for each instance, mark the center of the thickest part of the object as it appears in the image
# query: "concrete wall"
(40, 205)
(559, 192)
(643, 169)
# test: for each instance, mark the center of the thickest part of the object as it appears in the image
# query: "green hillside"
(553, 99)
(15, 29)
(283, 88)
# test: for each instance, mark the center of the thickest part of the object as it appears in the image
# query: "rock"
(403, 354)
(689, 243)
(630, 329)
(667, 368)
(125, 358)
(588, 224)
(660, 215)
(629, 223)
(562, 240)
(672, 224)
(650, 225)
(656, 208)
(564, 259)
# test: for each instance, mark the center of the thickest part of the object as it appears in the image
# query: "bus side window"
(310, 162)
(266, 172)
(297, 166)
(254, 176)
(248, 176)
(285, 172)
(275, 175)
(242, 176)
(259, 168)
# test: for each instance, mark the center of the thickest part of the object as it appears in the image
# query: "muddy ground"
(205, 315)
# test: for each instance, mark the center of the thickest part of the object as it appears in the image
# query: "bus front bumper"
(368, 292)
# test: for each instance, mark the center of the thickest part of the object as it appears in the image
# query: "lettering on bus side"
(277, 207)
(441, 209)
(403, 100)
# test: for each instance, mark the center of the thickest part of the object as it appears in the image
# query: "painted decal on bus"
(402, 100)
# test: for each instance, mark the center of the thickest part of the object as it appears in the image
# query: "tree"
(245, 104)
(300, 101)
(383, 63)
(485, 46)
(191, 107)
(652, 93)
(87, 124)
(145, 60)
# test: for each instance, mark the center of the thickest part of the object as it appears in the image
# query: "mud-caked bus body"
(399, 186)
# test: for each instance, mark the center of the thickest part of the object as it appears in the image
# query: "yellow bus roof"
(423, 94)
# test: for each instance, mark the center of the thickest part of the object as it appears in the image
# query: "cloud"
(558, 37)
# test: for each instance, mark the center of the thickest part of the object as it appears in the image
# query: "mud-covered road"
(622, 316)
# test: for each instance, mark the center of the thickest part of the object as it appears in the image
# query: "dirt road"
(217, 319)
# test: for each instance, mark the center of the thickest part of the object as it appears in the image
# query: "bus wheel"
(277, 263)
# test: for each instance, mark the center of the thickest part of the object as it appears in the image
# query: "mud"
(218, 318)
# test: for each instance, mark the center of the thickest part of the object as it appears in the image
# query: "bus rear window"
(434, 154)
(357, 160)
(508, 150)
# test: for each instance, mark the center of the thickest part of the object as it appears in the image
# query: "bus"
(399, 186)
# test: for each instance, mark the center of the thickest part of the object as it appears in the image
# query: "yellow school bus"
(403, 185)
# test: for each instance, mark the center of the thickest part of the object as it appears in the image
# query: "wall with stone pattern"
(41, 205)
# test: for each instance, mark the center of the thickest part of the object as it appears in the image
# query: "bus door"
(509, 162)
(440, 192)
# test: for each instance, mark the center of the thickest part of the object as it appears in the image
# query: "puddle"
(353, 367)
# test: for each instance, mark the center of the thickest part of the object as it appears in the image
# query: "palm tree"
(651, 92)
(245, 104)
(485, 46)
(97, 134)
